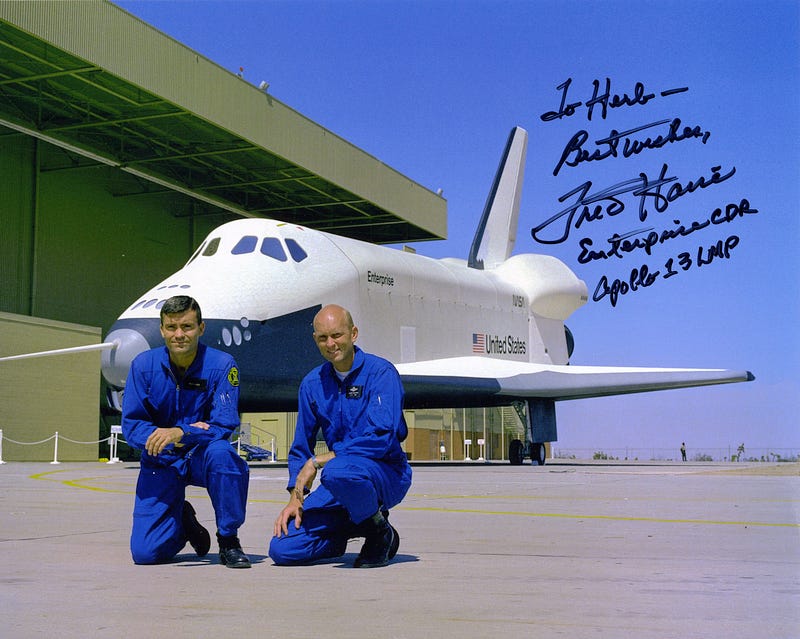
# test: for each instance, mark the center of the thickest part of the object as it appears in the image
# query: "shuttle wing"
(476, 381)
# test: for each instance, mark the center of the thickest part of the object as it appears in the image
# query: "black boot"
(231, 553)
(197, 536)
(380, 544)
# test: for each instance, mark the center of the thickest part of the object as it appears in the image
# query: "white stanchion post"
(272, 450)
(55, 451)
(481, 443)
(116, 430)
(1, 446)
(467, 444)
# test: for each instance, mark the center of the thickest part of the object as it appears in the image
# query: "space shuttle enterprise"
(483, 331)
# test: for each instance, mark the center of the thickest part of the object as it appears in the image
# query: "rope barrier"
(113, 443)
(112, 439)
(43, 441)
(72, 441)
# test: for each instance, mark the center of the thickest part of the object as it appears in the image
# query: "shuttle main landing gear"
(539, 417)
(517, 452)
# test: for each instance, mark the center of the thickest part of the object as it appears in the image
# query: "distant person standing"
(356, 400)
(180, 408)
(683, 451)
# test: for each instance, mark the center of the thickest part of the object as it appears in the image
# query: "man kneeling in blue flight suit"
(356, 399)
(180, 408)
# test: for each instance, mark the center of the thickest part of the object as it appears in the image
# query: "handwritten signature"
(607, 202)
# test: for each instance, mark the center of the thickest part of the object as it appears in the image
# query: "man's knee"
(343, 471)
(220, 454)
(285, 555)
(145, 554)
(156, 536)
(285, 551)
(300, 546)
(277, 552)
(144, 557)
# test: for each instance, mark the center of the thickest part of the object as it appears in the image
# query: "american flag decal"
(478, 342)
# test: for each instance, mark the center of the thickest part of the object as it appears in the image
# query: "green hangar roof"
(94, 80)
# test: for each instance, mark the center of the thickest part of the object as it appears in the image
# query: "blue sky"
(432, 88)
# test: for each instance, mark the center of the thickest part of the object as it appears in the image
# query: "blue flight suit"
(361, 419)
(154, 397)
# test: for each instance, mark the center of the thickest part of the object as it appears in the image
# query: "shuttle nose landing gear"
(517, 452)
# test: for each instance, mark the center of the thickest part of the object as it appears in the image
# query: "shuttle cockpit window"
(295, 250)
(212, 247)
(246, 245)
(272, 247)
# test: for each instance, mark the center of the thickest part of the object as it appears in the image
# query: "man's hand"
(293, 510)
(200, 425)
(160, 438)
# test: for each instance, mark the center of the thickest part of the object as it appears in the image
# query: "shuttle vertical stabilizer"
(497, 231)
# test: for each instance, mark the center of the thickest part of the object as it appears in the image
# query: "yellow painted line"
(659, 520)
(555, 497)
(81, 483)
(78, 483)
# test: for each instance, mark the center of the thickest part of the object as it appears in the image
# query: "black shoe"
(379, 547)
(197, 535)
(395, 543)
(231, 553)
(233, 558)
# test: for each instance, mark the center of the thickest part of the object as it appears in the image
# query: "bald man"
(356, 400)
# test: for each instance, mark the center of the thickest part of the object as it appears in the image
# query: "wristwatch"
(314, 461)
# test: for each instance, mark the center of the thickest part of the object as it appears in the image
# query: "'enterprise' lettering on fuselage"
(383, 280)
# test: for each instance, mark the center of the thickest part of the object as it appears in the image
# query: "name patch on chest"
(354, 392)
(193, 383)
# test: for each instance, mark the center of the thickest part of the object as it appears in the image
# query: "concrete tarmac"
(572, 549)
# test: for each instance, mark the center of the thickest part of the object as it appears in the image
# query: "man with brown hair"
(180, 408)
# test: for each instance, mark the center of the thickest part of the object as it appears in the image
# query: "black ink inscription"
(605, 99)
(624, 244)
(639, 278)
(590, 207)
(669, 92)
(650, 197)
(574, 154)
(677, 190)
(566, 110)
(642, 277)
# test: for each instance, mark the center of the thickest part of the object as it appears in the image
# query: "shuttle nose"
(116, 362)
